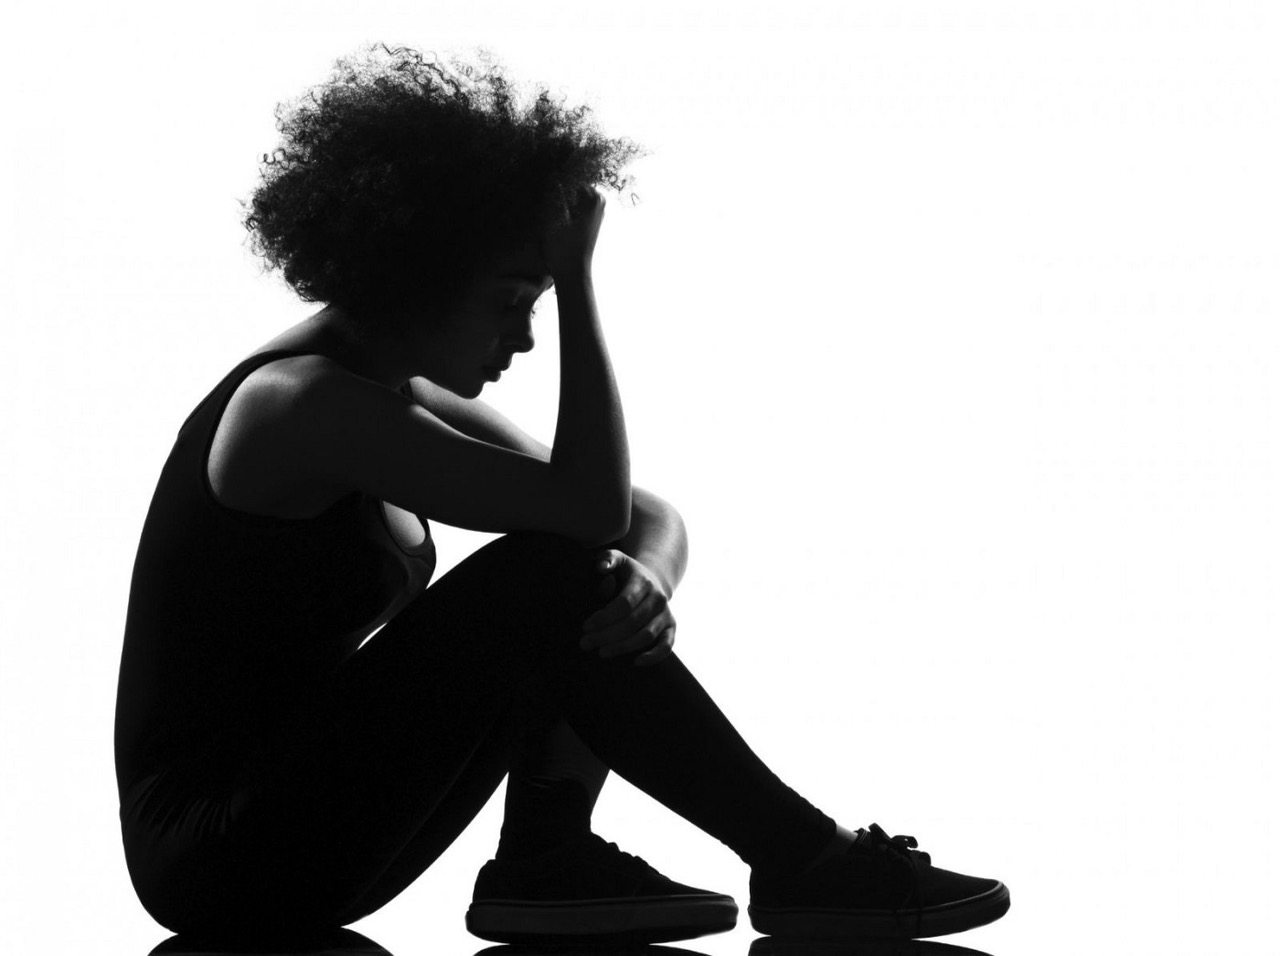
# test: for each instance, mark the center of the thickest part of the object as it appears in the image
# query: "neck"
(372, 350)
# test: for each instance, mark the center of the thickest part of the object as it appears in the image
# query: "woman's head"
(400, 177)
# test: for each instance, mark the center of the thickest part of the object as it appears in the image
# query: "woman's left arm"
(657, 539)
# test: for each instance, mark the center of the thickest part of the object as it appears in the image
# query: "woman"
(280, 776)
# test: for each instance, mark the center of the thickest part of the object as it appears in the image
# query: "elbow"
(612, 527)
(608, 525)
(619, 528)
(621, 513)
(600, 539)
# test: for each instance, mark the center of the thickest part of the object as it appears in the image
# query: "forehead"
(521, 264)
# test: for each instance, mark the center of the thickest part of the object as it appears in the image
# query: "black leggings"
(348, 800)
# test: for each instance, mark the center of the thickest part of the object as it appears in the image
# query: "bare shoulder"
(261, 404)
(251, 457)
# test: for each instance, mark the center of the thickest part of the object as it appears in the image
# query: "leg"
(466, 798)
(552, 788)
(659, 729)
(336, 795)
(554, 783)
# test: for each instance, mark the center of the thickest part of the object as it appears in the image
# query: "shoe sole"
(817, 923)
(626, 920)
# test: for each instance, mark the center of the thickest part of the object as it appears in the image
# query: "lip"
(491, 373)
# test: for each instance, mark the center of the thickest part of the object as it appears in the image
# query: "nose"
(520, 339)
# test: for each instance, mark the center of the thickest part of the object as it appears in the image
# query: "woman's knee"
(547, 560)
(553, 572)
(553, 546)
(511, 602)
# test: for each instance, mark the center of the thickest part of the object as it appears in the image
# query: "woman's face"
(478, 338)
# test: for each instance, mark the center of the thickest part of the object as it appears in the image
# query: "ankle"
(839, 843)
(526, 844)
(542, 814)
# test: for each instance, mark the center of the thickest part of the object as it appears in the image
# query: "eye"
(530, 306)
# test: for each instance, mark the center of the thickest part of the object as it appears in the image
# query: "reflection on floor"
(346, 942)
(779, 946)
(341, 942)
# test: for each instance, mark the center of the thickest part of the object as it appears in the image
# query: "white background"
(949, 328)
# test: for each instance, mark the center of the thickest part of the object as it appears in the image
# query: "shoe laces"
(630, 858)
(898, 850)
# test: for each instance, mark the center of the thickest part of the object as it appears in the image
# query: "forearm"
(657, 538)
(591, 438)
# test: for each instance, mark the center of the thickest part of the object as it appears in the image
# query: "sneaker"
(880, 887)
(589, 891)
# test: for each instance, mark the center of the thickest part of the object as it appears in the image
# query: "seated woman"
(280, 772)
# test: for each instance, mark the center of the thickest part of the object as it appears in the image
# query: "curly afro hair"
(399, 176)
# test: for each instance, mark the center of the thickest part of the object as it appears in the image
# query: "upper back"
(224, 606)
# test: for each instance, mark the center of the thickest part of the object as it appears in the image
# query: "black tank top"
(234, 617)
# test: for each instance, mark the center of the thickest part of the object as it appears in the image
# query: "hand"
(637, 617)
(567, 246)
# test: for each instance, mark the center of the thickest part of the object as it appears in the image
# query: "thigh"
(347, 785)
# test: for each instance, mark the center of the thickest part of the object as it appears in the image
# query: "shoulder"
(273, 394)
(297, 408)
(292, 373)
(252, 463)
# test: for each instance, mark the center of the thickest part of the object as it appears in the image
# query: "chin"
(463, 389)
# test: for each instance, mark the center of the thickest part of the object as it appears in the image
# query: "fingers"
(570, 242)
(637, 618)
(583, 201)
(637, 631)
(635, 606)
(578, 204)
(631, 594)
(660, 650)
(645, 639)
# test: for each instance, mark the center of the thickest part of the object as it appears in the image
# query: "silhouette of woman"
(280, 772)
